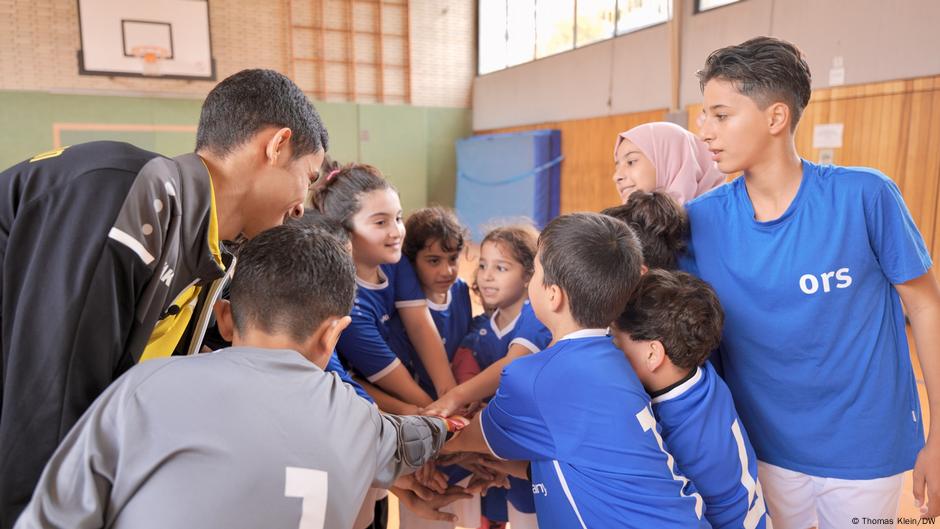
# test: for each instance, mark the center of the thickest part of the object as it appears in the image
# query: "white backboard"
(112, 29)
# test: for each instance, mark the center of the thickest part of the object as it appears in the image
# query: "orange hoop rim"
(150, 54)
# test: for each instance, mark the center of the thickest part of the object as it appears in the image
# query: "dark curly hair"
(660, 223)
(427, 225)
(677, 309)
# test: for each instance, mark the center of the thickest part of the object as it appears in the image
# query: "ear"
(656, 355)
(320, 344)
(335, 328)
(223, 319)
(644, 269)
(556, 298)
(277, 150)
(778, 118)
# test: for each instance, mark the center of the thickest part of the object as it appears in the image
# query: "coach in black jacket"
(108, 252)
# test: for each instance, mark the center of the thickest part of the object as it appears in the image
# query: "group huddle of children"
(583, 396)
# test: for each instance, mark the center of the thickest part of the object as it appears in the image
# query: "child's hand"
(430, 508)
(446, 405)
(430, 477)
(517, 469)
(482, 483)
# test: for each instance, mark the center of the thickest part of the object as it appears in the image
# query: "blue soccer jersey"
(363, 346)
(452, 319)
(578, 412)
(335, 366)
(490, 343)
(702, 430)
(814, 348)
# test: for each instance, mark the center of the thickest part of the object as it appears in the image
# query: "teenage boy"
(811, 264)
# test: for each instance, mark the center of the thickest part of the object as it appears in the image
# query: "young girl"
(665, 157)
(367, 206)
(433, 242)
(507, 260)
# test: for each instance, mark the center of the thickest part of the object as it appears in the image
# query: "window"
(705, 5)
(596, 20)
(514, 32)
(554, 27)
(520, 31)
(492, 38)
(639, 14)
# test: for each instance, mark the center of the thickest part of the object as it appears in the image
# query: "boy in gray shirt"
(256, 435)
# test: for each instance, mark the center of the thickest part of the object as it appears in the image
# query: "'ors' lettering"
(810, 284)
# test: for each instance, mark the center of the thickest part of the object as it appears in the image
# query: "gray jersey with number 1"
(239, 438)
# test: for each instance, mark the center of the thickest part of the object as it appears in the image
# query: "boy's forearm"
(410, 442)
(470, 439)
(387, 402)
(400, 385)
(485, 384)
(921, 298)
(427, 342)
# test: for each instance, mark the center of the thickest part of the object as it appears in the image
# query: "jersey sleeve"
(335, 366)
(512, 422)
(408, 291)
(69, 300)
(75, 489)
(894, 236)
(363, 348)
(404, 444)
(531, 334)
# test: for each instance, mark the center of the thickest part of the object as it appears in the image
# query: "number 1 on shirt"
(648, 423)
(311, 485)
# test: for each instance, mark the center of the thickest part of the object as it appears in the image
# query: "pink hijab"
(684, 167)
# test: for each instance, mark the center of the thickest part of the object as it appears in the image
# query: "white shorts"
(800, 501)
(466, 510)
(521, 520)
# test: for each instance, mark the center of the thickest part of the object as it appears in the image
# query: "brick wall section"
(443, 52)
(42, 40)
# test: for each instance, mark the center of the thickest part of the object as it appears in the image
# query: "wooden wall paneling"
(588, 148)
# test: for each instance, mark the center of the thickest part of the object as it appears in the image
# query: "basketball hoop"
(150, 57)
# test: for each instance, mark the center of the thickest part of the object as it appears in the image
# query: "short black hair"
(315, 219)
(250, 100)
(660, 223)
(596, 260)
(679, 310)
(427, 225)
(765, 69)
(290, 279)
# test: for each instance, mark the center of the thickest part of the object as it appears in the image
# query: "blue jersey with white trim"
(578, 412)
(703, 432)
(814, 349)
(335, 366)
(452, 319)
(363, 346)
(490, 343)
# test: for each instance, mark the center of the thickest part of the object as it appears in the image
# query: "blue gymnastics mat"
(507, 176)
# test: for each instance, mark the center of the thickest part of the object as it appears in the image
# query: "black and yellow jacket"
(99, 244)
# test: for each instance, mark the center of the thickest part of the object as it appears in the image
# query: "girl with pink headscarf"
(665, 157)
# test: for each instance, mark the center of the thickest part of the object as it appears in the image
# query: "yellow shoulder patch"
(48, 154)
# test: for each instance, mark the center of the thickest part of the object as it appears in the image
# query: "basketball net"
(150, 58)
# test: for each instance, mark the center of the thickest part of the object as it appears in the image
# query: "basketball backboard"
(164, 38)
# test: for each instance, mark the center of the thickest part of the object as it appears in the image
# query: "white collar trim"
(681, 388)
(584, 333)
